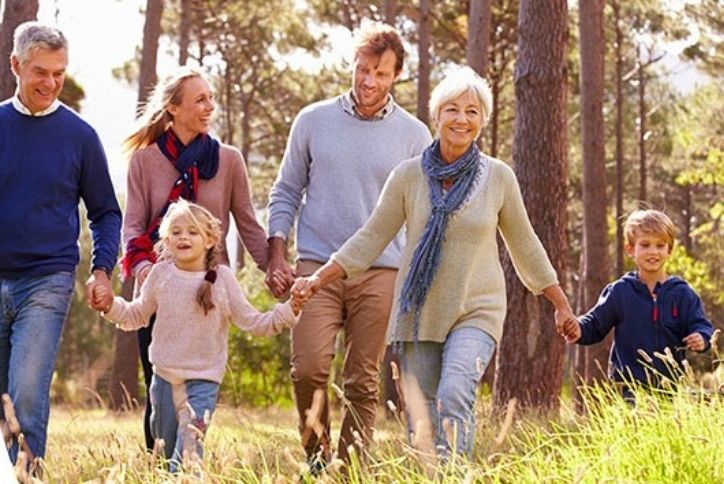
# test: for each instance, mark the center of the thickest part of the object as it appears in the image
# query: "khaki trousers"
(360, 306)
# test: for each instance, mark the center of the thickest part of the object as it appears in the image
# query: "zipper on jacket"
(655, 310)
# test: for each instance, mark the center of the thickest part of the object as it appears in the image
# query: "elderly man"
(50, 160)
(339, 154)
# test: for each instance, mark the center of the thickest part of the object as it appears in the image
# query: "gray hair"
(458, 82)
(35, 35)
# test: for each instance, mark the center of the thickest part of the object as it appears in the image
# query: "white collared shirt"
(22, 109)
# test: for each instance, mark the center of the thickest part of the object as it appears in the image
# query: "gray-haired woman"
(450, 292)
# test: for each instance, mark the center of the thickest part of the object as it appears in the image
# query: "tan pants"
(362, 307)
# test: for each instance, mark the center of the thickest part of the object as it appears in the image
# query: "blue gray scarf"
(426, 257)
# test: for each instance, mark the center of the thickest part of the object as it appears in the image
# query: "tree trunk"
(124, 374)
(423, 81)
(184, 32)
(595, 229)
(530, 357)
(642, 128)
(15, 13)
(619, 136)
(124, 377)
(149, 52)
(478, 45)
(390, 11)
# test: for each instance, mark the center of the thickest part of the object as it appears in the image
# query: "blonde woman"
(173, 156)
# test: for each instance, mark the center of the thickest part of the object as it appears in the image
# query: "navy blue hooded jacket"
(644, 322)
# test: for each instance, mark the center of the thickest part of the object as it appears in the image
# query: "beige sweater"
(469, 287)
(151, 176)
(186, 343)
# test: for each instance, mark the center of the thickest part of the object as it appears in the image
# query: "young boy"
(650, 310)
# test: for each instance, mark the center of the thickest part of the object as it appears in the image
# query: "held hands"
(98, 283)
(694, 342)
(102, 298)
(279, 277)
(567, 326)
(303, 290)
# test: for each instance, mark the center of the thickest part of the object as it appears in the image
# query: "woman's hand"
(142, 275)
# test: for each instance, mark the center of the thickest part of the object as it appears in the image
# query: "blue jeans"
(34, 310)
(180, 415)
(440, 382)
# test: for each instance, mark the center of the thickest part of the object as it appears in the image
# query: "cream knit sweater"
(186, 343)
(469, 287)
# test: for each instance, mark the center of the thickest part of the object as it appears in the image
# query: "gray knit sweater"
(333, 171)
(469, 287)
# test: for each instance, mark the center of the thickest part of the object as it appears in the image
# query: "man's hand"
(97, 278)
(695, 342)
(279, 274)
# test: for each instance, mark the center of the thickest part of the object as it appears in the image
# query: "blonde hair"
(155, 117)
(458, 82)
(653, 222)
(210, 227)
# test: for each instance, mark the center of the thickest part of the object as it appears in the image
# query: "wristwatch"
(108, 271)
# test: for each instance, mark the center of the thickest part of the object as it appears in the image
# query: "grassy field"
(672, 438)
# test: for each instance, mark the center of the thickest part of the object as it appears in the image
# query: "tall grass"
(674, 436)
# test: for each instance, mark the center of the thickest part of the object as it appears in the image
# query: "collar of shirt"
(349, 105)
(22, 109)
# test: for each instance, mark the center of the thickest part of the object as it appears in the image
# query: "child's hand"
(572, 331)
(297, 304)
(304, 288)
(102, 297)
(568, 328)
(694, 342)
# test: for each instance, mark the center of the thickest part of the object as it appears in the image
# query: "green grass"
(665, 438)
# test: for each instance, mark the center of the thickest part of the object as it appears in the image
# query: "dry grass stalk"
(507, 422)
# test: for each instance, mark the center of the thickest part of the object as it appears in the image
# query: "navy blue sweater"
(644, 323)
(47, 165)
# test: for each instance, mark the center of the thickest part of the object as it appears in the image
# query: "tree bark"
(15, 13)
(124, 374)
(619, 135)
(423, 81)
(530, 357)
(595, 229)
(643, 197)
(184, 32)
(390, 11)
(478, 45)
(149, 52)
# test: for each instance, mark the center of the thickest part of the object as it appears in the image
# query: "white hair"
(29, 36)
(458, 82)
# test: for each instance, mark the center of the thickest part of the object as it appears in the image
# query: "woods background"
(584, 110)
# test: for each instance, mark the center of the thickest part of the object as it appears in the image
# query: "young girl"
(194, 300)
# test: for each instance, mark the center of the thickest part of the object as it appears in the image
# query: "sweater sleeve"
(597, 322)
(137, 216)
(247, 317)
(525, 248)
(696, 319)
(132, 315)
(292, 180)
(99, 197)
(362, 249)
(251, 232)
